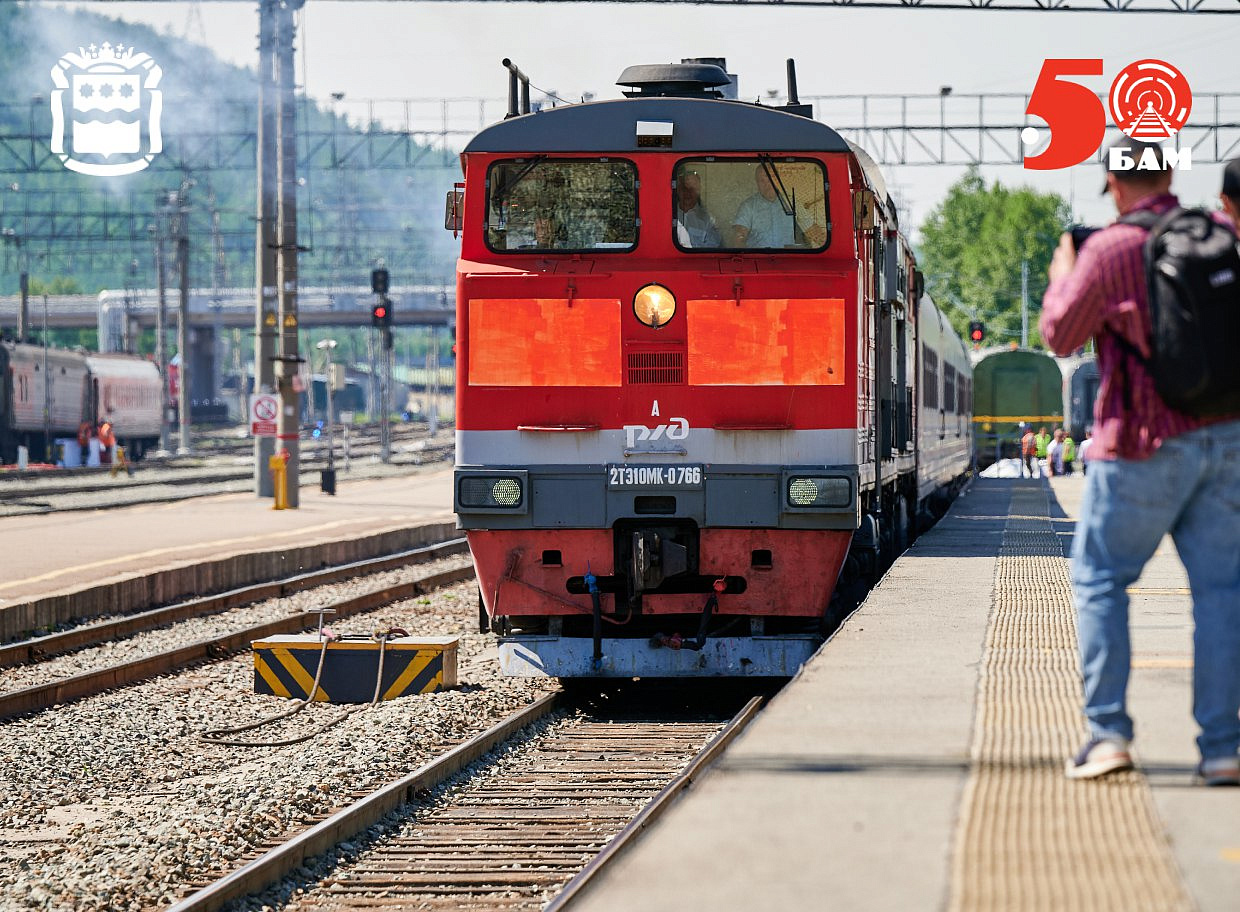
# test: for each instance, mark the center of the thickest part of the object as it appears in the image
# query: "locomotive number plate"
(654, 476)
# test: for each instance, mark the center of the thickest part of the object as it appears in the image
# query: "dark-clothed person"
(1230, 195)
(1027, 449)
(1152, 471)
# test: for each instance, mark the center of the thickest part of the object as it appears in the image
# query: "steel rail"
(657, 806)
(45, 696)
(37, 648)
(14, 493)
(32, 484)
(357, 817)
(309, 477)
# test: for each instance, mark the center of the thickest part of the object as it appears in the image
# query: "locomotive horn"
(514, 76)
(792, 82)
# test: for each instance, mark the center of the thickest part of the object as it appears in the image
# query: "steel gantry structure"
(406, 134)
(264, 135)
(946, 128)
(1198, 7)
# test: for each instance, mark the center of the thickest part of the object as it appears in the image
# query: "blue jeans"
(1189, 488)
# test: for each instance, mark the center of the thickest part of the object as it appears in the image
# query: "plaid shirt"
(1105, 297)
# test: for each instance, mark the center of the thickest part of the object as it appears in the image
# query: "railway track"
(93, 490)
(44, 696)
(534, 822)
(366, 435)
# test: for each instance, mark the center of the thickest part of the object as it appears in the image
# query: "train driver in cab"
(771, 219)
(695, 226)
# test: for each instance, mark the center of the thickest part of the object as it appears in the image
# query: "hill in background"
(88, 233)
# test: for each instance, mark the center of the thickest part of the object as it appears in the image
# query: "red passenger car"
(688, 349)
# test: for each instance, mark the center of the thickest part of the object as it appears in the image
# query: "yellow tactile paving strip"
(1028, 839)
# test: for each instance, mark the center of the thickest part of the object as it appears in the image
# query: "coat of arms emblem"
(105, 110)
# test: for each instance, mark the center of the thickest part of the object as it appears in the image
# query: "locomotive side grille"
(656, 367)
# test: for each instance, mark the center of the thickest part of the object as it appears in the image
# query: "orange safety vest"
(1026, 444)
(106, 437)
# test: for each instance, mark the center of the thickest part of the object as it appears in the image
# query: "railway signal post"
(381, 319)
(328, 484)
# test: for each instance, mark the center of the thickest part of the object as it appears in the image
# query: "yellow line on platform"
(1027, 839)
(1135, 590)
(156, 552)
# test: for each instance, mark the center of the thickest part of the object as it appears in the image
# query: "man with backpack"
(1165, 456)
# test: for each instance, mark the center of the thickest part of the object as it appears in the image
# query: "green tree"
(971, 250)
(60, 285)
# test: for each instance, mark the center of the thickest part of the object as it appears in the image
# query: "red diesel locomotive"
(699, 387)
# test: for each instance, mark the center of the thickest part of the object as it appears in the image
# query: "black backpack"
(1192, 272)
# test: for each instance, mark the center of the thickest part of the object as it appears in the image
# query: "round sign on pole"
(264, 414)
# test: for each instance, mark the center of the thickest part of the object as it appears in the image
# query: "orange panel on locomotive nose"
(522, 342)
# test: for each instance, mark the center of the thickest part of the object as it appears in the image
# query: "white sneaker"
(1098, 757)
(1220, 771)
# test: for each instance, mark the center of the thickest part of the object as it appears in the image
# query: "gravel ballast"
(113, 802)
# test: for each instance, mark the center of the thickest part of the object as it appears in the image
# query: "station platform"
(49, 556)
(916, 762)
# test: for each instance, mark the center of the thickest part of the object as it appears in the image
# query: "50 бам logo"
(1149, 100)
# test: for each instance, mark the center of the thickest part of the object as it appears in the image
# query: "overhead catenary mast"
(288, 360)
(265, 237)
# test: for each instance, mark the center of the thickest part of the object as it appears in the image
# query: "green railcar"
(1011, 387)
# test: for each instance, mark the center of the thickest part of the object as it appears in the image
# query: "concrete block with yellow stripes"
(285, 666)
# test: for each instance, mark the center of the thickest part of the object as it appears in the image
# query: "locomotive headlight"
(654, 305)
(806, 491)
(481, 491)
(506, 492)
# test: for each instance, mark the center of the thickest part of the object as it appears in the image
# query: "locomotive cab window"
(539, 205)
(759, 203)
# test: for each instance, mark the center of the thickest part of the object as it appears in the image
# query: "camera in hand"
(1080, 233)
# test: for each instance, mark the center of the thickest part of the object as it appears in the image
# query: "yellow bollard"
(278, 464)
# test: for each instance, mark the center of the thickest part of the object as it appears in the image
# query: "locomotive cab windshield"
(751, 204)
(573, 205)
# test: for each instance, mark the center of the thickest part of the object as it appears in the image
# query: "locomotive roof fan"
(689, 79)
(699, 77)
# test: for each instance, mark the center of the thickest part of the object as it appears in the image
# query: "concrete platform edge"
(855, 771)
(194, 578)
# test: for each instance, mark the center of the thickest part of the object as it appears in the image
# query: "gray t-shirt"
(768, 224)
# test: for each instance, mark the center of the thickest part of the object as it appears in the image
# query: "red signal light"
(977, 331)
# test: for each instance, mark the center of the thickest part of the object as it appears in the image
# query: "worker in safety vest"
(1041, 441)
(1069, 454)
(107, 439)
